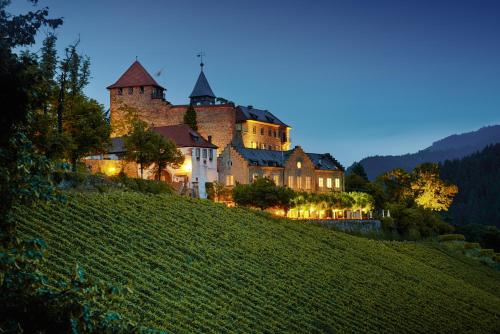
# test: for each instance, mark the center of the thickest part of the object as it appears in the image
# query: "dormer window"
(130, 90)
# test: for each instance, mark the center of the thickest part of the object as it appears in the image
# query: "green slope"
(196, 266)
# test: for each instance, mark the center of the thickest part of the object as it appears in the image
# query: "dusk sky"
(353, 78)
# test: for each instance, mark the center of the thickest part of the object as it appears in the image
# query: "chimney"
(209, 139)
(250, 107)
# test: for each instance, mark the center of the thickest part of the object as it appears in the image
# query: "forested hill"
(449, 148)
(198, 267)
(478, 179)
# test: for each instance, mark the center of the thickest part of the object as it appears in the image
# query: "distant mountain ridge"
(452, 147)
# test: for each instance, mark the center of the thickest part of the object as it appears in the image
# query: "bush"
(388, 224)
(451, 237)
(407, 221)
(143, 186)
(487, 252)
(471, 245)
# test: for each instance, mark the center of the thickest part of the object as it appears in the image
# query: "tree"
(430, 192)
(263, 194)
(190, 118)
(284, 198)
(87, 128)
(164, 152)
(397, 185)
(139, 144)
(359, 170)
(74, 76)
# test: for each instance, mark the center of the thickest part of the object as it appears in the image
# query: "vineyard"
(196, 266)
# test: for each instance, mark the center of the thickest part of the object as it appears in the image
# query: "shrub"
(487, 252)
(471, 245)
(141, 185)
(388, 224)
(451, 237)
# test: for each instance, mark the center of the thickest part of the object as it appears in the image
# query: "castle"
(248, 142)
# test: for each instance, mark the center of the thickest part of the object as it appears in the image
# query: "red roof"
(183, 136)
(136, 75)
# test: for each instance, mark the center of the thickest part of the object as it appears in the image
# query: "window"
(197, 153)
(290, 181)
(276, 179)
(320, 182)
(299, 164)
(329, 182)
(130, 90)
(229, 180)
(211, 154)
(274, 133)
(254, 144)
(120, 91)
(299, 182)
(141, 91)
(263, 146)
(337, 182)
(270, 147)
(308, 182)
(262, 131)
(270, 132)
(254, 129)
(204, 153)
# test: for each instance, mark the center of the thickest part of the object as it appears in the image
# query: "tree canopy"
(190, 118)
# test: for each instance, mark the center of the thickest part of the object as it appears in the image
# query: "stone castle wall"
(214, 121)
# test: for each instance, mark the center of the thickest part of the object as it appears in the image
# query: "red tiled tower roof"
(136, 75)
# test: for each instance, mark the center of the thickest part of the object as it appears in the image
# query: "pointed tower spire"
(202, 94)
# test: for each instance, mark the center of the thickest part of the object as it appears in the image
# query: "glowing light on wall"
(187, 166)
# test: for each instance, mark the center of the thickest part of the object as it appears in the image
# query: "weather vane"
(200, 55)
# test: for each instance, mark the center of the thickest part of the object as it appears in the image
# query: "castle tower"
(202, 93)
(134, 90)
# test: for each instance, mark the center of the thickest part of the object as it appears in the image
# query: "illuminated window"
(308, 182)
(299, 164)
(229, 180)
(263, 146)
(337, 182)
(320, 182)
(290, 181)
(329, 182)
(276, 179)
(299, 182)
(254, 145)
(254, 129)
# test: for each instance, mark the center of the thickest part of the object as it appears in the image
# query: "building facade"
(250, 142)
(293, 168)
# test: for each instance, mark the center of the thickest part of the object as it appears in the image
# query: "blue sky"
(353, 78)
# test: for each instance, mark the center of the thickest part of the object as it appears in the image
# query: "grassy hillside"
(196, 266)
